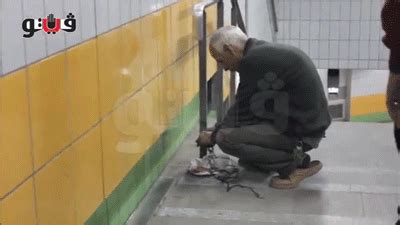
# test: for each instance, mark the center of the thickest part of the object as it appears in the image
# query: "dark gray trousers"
(261, 145)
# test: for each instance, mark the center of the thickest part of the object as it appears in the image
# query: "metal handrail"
(236, 16)
(274, 17)
(201, 20)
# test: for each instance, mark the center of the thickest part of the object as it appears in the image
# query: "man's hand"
(204, 139)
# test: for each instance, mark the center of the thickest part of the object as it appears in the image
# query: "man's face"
(226, 59)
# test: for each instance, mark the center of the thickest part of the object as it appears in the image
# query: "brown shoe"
(296, 176)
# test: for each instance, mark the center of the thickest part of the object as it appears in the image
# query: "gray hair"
(230, 35)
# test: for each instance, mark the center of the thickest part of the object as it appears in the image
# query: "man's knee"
(222, 141)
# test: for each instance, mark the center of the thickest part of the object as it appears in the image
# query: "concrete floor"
(359, 185)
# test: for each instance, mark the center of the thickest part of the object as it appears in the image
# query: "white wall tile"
(73, 6)
(145, 7)
(383, 65)
(305, 10)
(365, 10)
(345, 8)
(323, 64)
(88, 19)
(135, 8)
(344, 50)
(355, 10)
(364, 50)
(36, 45)
(295, 10)
(12, 42)
(334, 64)
(375, 33)
(323, 49)
(279, 34)
(374, 50)
(294, 29)
(334, 30)
(314, 49)
(286, 29)
(364, 30)
(354, 49)
(376, 7)
(102, 23)
(335, 10)
(161, 4)
(333, 49)
(114, 13)
(280, 9)
(325, 10)
(305, 30)
(316, 62)
(294, 43)
(344, 30)
(305, 46)
(353, 64)
(363, 64)
(373, 65)
(343, 64)
(126, 10)
(55, 42)
(354, 30)
(383, 52)
(315, 10)
(314, 30)
(324, 30)
(287, 10)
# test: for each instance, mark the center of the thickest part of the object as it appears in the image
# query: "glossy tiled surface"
(75, 125)
(18, 208)
(55, 191)
(124, 139)
(359, 184)
(109, 67)
(50, 114)
(150, 38)
(15, 139)
(88, 175)
(82, 86)
(131, 58)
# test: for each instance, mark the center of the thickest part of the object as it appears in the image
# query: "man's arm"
(229, 120)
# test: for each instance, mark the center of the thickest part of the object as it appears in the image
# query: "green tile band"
(372, 117)
(119, 205)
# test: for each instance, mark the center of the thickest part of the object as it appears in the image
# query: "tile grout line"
(28, 95)
(87, 131)
(77, 44)
(50, 160)
(99, 107)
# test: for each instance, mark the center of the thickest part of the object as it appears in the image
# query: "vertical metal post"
(219, 96)
(232, 91)
(348, 95)
(203, 81)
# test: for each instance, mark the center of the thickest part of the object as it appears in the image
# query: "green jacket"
(279, 84)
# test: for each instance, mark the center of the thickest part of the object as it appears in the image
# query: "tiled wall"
(368, 91)
(82, 112)
(342, 34)
(94, 17)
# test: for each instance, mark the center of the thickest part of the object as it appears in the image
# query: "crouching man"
(280, 111)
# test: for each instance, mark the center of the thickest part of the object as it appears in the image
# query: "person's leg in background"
(393, 104)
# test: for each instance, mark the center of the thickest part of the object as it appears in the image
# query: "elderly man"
(280, 111)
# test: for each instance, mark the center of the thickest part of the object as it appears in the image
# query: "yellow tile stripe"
(368, 104)
(94, 110)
